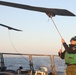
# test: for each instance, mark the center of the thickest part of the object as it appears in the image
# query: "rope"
(12, 42)
(14, 46)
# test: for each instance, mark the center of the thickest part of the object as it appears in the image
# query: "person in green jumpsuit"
(69, 55)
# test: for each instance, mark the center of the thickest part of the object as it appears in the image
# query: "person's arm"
(64, 44)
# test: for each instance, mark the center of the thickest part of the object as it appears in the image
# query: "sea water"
(14, 63)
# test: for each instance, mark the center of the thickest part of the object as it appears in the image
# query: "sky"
(39, 35)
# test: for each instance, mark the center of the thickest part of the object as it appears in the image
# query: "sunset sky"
(39, 34)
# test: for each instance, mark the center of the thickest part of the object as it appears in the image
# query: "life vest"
(70, 58)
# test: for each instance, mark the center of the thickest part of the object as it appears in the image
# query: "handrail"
(26, 54)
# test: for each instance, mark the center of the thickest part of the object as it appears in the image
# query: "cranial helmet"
(73, 38)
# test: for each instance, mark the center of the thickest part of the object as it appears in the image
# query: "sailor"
(69, 54)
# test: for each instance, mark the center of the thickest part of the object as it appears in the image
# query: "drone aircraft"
(10, 28)
(51, 11)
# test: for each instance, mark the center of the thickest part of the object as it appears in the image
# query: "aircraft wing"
(10, 28)
(51, 11)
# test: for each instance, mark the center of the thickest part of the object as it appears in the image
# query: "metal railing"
(52, 62)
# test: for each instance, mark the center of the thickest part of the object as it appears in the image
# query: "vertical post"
(2, 65)
(31, 65)
(53, 65)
